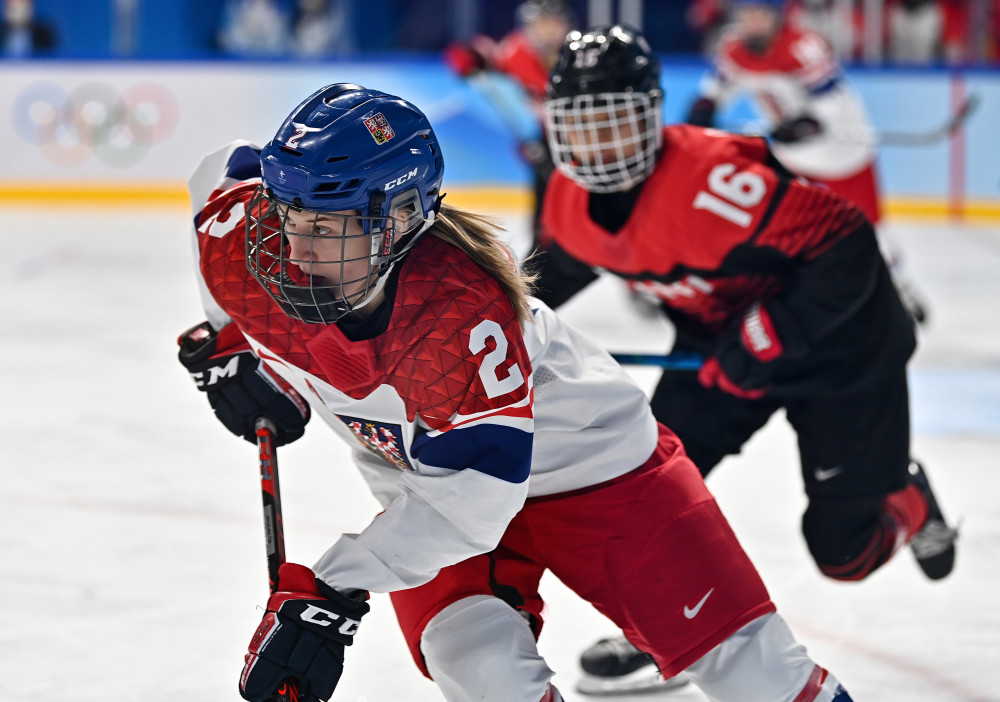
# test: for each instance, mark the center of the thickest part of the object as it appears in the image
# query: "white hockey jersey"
(798, 75)
(456, 412)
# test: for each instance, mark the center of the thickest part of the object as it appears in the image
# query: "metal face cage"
(320, 266)
(606, 142)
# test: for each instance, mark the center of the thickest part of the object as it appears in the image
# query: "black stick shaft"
(274, 531)
(274, 534)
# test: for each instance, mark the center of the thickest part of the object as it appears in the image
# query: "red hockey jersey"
(712, 228)
(720, 225)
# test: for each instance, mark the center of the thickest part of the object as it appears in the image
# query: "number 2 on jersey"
(731, 193)
(488, 329)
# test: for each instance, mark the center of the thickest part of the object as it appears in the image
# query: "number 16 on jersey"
(731, 194)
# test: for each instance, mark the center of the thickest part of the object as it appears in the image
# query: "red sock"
(908, 509)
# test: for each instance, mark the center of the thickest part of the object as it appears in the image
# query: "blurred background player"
(779, 283)
(21, 33)
(842, 25)
(254, 28)
(526, 55)
(499, 442)
(818, 126)
(916, 28)
(322, 28)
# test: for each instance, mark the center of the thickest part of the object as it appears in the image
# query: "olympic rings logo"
(119, 128)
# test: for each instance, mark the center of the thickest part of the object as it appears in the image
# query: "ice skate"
(613, 666)
(934, 545)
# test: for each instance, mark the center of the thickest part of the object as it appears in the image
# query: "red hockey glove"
(239, 387)
(711, 375)
(797, 129)
(747, 355)
(464, 59)
(302, 636)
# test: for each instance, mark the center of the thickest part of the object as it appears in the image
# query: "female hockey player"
(777, 282)
(499, 442)
(819, 128)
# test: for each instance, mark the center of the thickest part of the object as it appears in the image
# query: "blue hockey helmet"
(345, 144)
(364, 159)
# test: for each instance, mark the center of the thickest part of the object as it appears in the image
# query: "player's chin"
(318, 280)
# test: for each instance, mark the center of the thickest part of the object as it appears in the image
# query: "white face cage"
(606, 142)
(320, 266)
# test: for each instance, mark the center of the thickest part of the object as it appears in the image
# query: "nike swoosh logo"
(692, 612)
(824, 474)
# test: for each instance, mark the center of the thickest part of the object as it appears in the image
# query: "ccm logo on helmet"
(321, 617)
(401, 179)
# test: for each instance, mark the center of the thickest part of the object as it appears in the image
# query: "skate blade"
(640, 682)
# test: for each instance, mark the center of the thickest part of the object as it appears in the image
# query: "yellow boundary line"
(916, 209)
(99, 195)
(172, 194)
(486, 199)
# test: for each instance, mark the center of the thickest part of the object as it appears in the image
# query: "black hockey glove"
(302, 636)
(702, 113)
(798, 129)
(746, 356)
(239, 387)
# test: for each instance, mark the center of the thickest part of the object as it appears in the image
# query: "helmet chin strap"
(375, 291)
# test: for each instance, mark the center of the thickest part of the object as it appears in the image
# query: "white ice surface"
(130, 527)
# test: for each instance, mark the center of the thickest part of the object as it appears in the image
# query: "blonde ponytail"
(477, 236)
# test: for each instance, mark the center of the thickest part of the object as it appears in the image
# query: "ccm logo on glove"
(302, 636)
(239, 386)
(217, 373)
(321, 617)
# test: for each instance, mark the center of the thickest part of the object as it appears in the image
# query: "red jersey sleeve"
(517, 58)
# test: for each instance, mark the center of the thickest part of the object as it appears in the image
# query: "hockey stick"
(929, 138)
(274, 530)
(503, 99)
(861, 134)
(678, 360)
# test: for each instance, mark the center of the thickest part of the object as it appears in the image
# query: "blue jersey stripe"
(501, 451)
(825, 86)
(244, 164)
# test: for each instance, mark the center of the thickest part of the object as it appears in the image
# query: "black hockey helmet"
(604, 109)
(609, 59)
